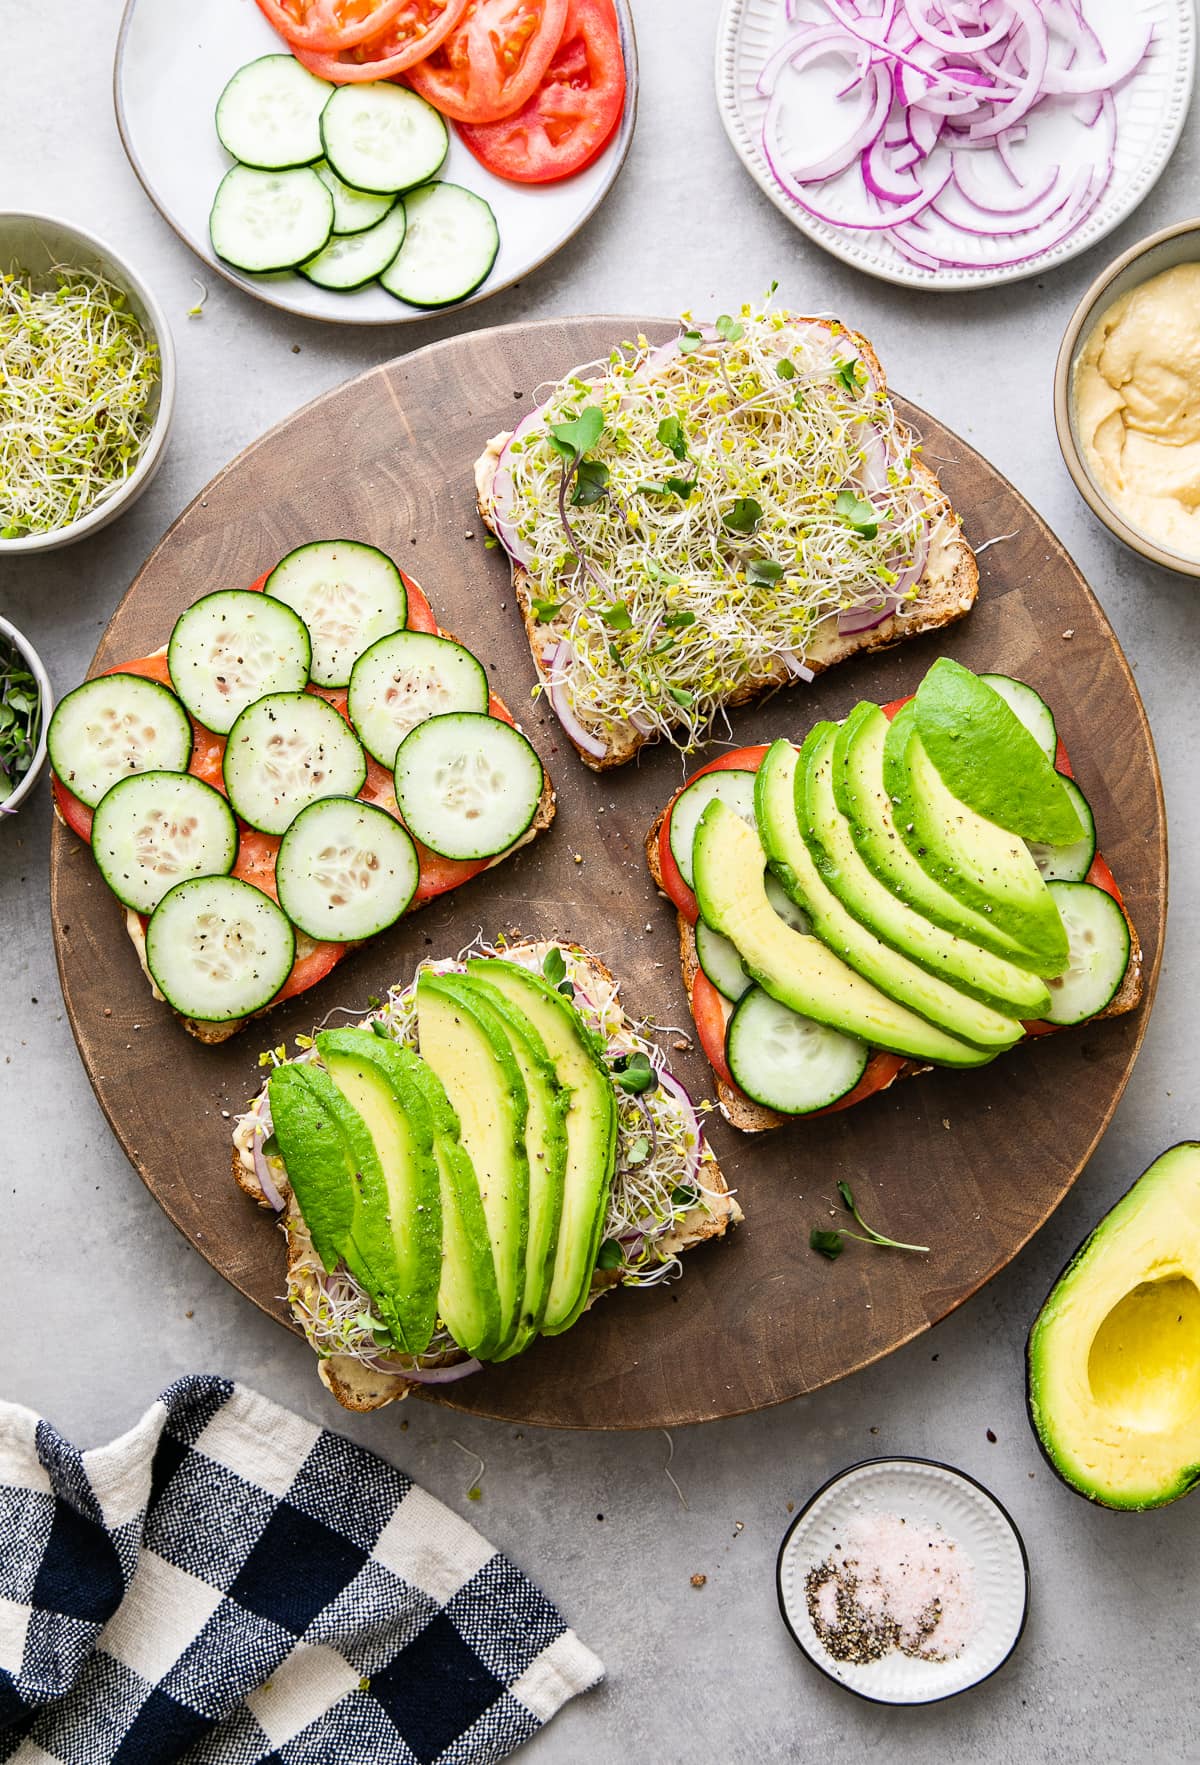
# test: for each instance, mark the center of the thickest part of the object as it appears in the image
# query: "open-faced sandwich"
(917, 886)
(304, 762)
(473, 1164)
(692, 525)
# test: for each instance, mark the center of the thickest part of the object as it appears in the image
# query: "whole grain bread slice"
(946, 592)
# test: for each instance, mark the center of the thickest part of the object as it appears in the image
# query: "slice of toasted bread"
(361, 1388)
(752, 1118)
(945, 593)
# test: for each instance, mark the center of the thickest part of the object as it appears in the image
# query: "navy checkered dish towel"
(228, 1584)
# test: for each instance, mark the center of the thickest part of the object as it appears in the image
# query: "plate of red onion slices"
(955, 143)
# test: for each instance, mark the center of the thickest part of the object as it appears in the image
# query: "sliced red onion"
(671, 1085)
(796, 665)
(867, 618)
(504, 495)
(436, 1375)
(262, 1168)
(558, 665)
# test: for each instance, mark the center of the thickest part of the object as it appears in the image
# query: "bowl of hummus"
(1127, 398)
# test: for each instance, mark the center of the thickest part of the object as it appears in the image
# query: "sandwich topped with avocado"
(471, 1165)
(916, 886)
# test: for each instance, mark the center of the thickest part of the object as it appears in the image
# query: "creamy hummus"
(1137, 407)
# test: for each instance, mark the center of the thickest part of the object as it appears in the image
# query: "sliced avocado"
(545, 1146)
(468, 1300)
(375, 1084)
(339, 1185)
(987, 758)
(778, 801)
(964, 965)
(591, 1125)
(1114, 1355)
(990, 869)
(797, 969)
(465, 1043)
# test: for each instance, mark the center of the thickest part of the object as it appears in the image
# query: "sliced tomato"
(77, 815)
(574, 110)
(337, 24)
(310, 968)
(494, 61)
(709, 1013)
(880, 1071)
(738, 760)
(412, 33)
(420, 613)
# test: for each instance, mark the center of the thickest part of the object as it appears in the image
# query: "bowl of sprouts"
(26, 702)
(87, 383)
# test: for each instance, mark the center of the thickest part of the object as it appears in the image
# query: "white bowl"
(37, 765)
(36, 243)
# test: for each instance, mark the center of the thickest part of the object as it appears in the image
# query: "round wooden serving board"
(971, 1163)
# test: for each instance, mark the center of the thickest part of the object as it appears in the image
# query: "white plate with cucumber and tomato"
(375, 200)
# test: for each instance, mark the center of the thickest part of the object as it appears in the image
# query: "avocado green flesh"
(394, 1114)
(546, 1150)
(980, 863)
(860, 794)
(591, 1133)
(796, 969)
(779, 794)
(986, 757)
(966, 966)
(465, 1043)
(338, 1183)
(1114, 1355)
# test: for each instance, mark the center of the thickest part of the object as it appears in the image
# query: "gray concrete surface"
(101, 1304)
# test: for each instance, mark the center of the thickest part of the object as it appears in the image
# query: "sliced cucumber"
(233, 647)
(269, 115)
(285, 752)
(382, 138)
(345, 870)
(734, 787)
(787, 1062)
(720, 961)
(158, 828)
(1098, 933)
(115, 725)
(269, 220)
(348, 594)
(1030, 707)
(353, 210)
(449, 249)
(468, 785)
(357, 258)
(1069, 863)
(783, 904)
(218, 948)
(404, 679)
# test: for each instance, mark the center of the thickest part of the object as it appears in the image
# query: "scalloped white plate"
(172, 64)
(1151, 108)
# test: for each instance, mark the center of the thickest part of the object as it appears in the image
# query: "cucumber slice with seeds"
(1098, 934)
(345, 870)
(720, 961)
(157, 829)
(404, 679)
(269, 115)
(787, 1062)
(382, 138)
(264, 221)
(468, 785)
(733, 786)
(348, 594)
(1069, 863)
(115, 725)
(353, 210)
(449, 249)
(218, 948)
(233, 647)
(354, 260)
(286, 751)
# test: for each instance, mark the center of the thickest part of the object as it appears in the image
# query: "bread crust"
(946, 593)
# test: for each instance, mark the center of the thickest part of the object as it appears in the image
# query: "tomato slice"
(574, 110)
(416, 29)
(420, 613)
(738, 760)
(494, 61)
(709, 1014)
(310, 968)
(337, 24)
(77, 815)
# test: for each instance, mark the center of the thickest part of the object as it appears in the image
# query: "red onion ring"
(671, 1085)
(262, 1169)
(558, 664)
(436, 1375)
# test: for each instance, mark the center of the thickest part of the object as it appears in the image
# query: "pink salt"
(901, 1570)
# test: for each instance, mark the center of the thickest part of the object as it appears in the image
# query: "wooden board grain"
(969, 1163)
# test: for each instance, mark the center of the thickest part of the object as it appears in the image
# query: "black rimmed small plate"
(925, 1493)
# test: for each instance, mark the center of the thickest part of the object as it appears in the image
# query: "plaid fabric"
(228, 1584)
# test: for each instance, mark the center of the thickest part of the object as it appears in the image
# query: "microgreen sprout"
(20, 719)
(830, 1242)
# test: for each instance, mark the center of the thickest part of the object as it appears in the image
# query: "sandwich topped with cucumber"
(916, 886)
(471, 1165)
(303, 763)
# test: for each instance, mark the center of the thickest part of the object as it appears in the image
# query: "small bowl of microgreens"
(25, 706)
(87, 384)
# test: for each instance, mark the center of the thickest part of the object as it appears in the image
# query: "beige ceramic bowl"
(1165, 250)
(36, 243)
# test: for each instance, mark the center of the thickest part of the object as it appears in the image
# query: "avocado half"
(1114, 1354)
